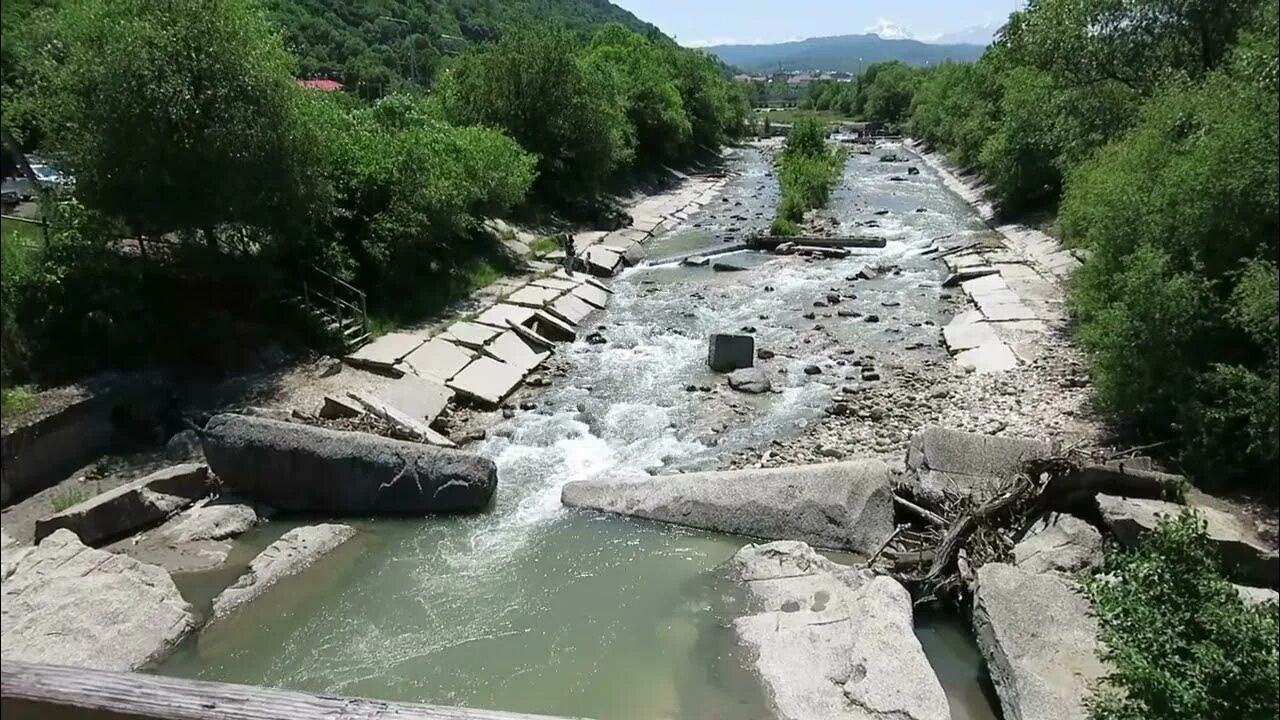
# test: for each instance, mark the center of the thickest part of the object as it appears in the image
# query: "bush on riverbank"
(1158, 138)
(807, 170)
(1182, 642)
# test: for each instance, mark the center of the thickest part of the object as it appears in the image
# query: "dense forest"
(206, 192)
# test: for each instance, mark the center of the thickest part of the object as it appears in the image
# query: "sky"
(717, 22)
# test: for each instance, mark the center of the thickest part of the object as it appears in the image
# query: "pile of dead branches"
(366, 423)
(937, 553)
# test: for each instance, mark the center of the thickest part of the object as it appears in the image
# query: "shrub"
(783, 227)
(1181, 641)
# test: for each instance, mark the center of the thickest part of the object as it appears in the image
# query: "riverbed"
(538, 608)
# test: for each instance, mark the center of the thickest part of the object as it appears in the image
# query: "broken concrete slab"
(967, 331)
(412, 426)
(1244, 558)
(68, 604)
(1006, 311)
(533, 296)
(418, 397)
(968, 463)
(514, 350)
(846, 505)
(966, 273)
(339, 407)
(549, 326)
(385, 351)
(305, 469)
(487, 381)
(294, 552)
(470, 335)
(556, 283)
(987, 358)
(831, 642)
(213, 519)
(1057, 542)
(601, 261)
(131, 507)
(571, 309)
(438, 360)
(498, 315)
(591, 295)
(1040, 640)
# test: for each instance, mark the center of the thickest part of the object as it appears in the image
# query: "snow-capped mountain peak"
(889, 30)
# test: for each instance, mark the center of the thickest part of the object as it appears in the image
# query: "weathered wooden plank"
(37, 692)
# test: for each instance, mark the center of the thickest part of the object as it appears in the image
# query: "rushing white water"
(534, 607)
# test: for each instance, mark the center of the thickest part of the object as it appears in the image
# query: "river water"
(538, 608)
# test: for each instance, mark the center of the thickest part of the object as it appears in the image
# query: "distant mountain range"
(842, 53)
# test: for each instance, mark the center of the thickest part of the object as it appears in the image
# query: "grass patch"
(67, 497)
(783, 227)
(543, 245)
(480, 274)
(16, 400)
(22, 232)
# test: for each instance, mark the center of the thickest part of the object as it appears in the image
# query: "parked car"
(50, 177)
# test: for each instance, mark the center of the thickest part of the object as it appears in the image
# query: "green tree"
(534, 85)
(179, 116)
(886, 90)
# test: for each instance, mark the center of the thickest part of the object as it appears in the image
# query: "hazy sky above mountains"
(720, 22)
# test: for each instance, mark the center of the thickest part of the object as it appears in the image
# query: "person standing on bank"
(570, 252)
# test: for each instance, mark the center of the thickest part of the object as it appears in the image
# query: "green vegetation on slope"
(848, 53)
(209, 184)
(1158, 136)
(1182, 642)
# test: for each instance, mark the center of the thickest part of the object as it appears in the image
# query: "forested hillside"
(376, 46)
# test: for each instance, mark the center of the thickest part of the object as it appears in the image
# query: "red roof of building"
(320, 84)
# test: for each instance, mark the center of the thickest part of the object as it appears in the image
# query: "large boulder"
(831, 642)
(131, 507)
(294, 552)
(847, 505)
(11, 553)
(1059, 542)
(970, 464)
(1040, 640)
(1244, 557)
(300, 468)
(68, 604)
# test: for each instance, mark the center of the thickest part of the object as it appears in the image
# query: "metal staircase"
(338, 306)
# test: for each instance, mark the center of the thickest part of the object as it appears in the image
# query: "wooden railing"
(48, 692)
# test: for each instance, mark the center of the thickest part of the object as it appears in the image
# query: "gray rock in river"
(968, 463)
(217, 520)
(1040, 641)
(727, 352)
(1243, 557)
(300, 468)
(847, 505)
(131, 507)
(750, 380)
(1059, 542)
(68, 604)
(294, 552)
(832, 642)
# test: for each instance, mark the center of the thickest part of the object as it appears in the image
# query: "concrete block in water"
(299, 468)
(131, 507)
(846, 506)
(727, 352)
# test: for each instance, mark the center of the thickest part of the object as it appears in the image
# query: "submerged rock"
(300, 468)
(218, 520)
(832, 642)
(68, 604)
(294, 552)
(1040, 640)
(749, 380)
(844, 505)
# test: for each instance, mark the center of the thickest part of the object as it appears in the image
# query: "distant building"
(321, 84)
(800, 80)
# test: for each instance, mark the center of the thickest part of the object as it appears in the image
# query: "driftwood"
(938, 559)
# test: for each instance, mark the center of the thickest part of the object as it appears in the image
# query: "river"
(537, 608)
